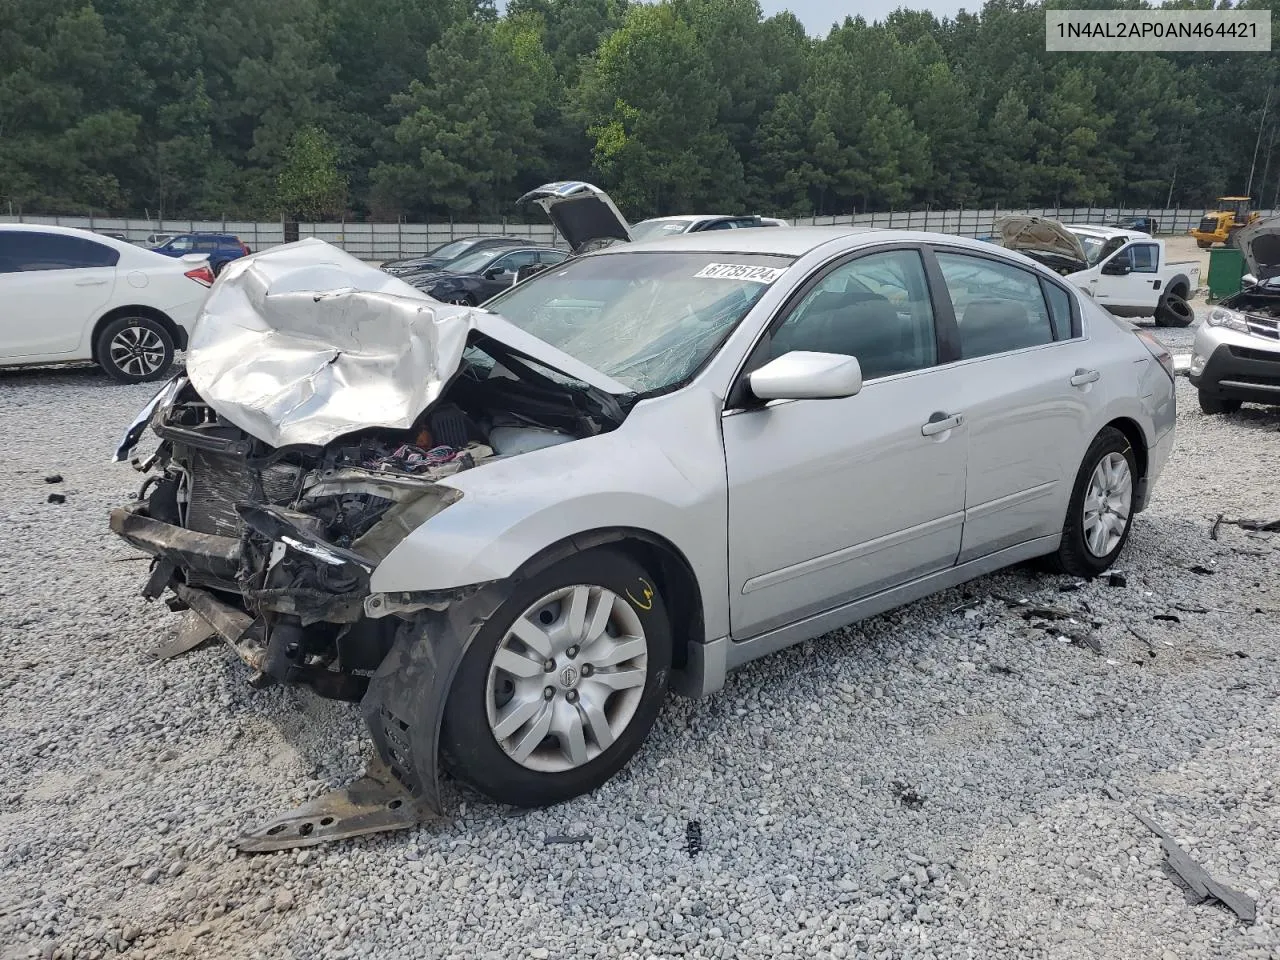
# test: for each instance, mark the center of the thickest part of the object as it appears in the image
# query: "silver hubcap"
(137, 351)
(1107, 504)
(567, 678)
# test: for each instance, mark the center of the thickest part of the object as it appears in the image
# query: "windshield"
(648, 320)
(472, 261)
(657, 229)
(1092, 248)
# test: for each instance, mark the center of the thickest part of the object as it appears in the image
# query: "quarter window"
(998, 307)
(875, 308)
(1059, 310)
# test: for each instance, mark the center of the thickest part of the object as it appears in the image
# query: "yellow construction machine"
(1221, 225)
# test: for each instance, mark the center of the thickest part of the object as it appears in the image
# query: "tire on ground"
(1174, 311)
(468, 746)
(115, 352)
(1073, 555)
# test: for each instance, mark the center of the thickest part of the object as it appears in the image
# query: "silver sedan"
(509, 531)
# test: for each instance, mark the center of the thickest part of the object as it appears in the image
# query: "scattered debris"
(1078, 638)
(1202, 570)
(1002, 670)
(693, 837)
(1257, 526)
(554, 838)
(907, 795)
(57, 498)
(1197, 878)
(1241, 654)
(1187, 608)
(53, 478)
(1047, 613)
(1168, 617)
(967, 605)
(1117, 580)
(1151, 647)
(1071, 587)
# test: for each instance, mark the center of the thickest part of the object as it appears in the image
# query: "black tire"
(468, 746)
(462, 300)
(1174, 311)
(151, 359)
(1212, 404)
(219, 266)
(1074, 556)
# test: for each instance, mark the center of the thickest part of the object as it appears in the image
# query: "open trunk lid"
(583, 213)
(303, 343)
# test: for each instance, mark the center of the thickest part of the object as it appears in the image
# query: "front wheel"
(1212, 404)
(1100, 513)
(135, 349)
(561, 686)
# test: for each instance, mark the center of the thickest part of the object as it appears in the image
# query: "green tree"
(310, 185)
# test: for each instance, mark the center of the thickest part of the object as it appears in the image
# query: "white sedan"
(72, 295)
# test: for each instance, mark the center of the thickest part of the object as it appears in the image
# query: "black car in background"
(477, 276)
(1142, 224)
(443, 255)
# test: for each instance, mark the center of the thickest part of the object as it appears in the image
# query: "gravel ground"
(931, 783)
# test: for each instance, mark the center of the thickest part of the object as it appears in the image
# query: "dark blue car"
(222, 248)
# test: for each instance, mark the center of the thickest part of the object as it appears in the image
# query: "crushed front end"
(275, 547)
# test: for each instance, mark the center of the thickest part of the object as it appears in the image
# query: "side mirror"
(802, 375)
(1117, 267)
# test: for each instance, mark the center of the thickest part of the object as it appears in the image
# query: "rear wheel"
(1100, 513)
(561, 686)
(462, 300)
(135, 349)
(1213, 404)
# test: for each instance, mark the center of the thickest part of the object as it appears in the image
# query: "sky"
(818, 15)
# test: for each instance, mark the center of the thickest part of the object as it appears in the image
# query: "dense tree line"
(435, 108)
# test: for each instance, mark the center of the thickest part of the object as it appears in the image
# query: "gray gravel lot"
(931, 783)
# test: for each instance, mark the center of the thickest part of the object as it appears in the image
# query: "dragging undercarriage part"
(194, 631)
(374, 803)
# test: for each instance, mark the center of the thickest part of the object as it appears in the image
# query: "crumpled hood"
(303, 343)
(1037, 233)
(1260, 244)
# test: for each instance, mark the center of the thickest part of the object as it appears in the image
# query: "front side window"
(998, 306)
(648, 320)
(875, 308)
(514, 261)
(1145, 257)
(180, 244)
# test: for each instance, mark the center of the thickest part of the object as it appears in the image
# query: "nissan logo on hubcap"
(569, 677)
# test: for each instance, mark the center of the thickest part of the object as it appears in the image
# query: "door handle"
(90, 283)
(941, 422)
(1083, 376)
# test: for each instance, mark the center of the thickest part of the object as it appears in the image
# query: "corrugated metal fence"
(385, 241)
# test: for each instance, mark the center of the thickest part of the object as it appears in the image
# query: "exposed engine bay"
(284, 540)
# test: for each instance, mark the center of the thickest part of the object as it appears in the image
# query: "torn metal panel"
(303, 343)
(374, 803)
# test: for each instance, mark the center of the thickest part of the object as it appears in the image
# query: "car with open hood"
(588, 219)
(1126, 271)
(1235, 357)
(507, 532)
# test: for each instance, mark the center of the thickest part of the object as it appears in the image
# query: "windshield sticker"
(741, 271)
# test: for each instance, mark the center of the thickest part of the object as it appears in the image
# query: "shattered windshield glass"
(648, 320)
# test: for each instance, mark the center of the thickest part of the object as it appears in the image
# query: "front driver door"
(52, 286)
(1137, 288)
(834, 500)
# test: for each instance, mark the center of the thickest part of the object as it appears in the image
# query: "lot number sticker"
(741, 271)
